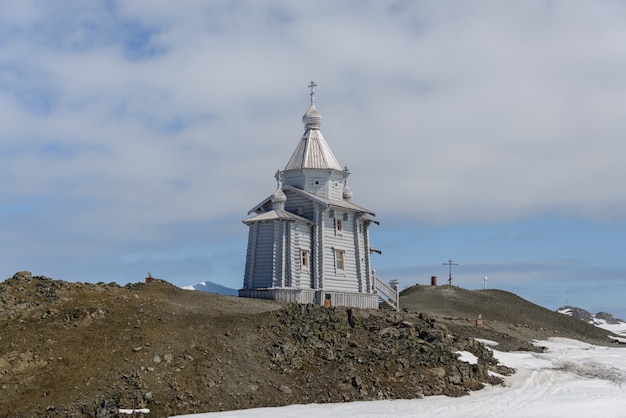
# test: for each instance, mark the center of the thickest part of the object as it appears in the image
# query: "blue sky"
(136, 136)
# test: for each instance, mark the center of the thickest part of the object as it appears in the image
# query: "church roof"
(313, 150)
(343, 204)
(275, 214)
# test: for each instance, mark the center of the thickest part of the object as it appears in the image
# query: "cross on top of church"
(279, 179)
(312, 87)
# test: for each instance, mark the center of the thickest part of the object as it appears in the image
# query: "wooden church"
(308, 242)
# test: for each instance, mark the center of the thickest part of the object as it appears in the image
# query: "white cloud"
(125, 123)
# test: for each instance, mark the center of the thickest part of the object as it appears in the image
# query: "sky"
(570, 379)
(136, 135)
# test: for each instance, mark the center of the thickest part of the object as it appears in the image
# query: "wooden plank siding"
(335, 186)
(264, 255)
(345, 280)
(358, 255)
(294, 178)
(318, 248)
(299, 205)
(281, 295)
(368, 262)
(301, 241)
(358, 300)
(250, 256)
(282, 263)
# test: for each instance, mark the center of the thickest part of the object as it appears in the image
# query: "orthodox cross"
(450, 264)
(312, 87)
(279, 179)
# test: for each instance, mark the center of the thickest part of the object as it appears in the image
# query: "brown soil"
(76, 349)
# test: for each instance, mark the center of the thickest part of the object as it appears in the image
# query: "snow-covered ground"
(619, 327)
(570, 379)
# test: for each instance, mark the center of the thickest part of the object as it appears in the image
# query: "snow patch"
(133, 411)
(212, 288)
(488, 343)
(467, 357)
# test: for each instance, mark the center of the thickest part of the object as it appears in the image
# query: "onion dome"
(278, 199)
(312, 119)
(347, 193)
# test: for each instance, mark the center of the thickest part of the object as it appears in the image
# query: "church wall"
(318, 248)
(367, 268)
(301, 241)
(337, 279)
(263, 257)
(358, 256)
(281, 260)
(335, 186)
(294, 178)
(317, 185)
(250, 253)
(299, 205)
(363, 254)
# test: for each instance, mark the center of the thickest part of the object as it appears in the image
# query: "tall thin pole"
(450, 263)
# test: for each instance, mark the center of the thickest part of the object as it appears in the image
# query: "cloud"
(142, 131)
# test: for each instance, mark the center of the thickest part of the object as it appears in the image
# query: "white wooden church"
(308, 242)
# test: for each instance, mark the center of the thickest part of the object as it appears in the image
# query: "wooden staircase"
(388, 295)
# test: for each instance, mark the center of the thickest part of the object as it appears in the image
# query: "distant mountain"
(603, 320)
(212, 288)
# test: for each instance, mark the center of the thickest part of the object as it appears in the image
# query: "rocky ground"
(78, 349)
(508, 319)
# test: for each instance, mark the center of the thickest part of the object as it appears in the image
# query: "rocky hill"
(78, 349)
(512, 321)
(584, 315)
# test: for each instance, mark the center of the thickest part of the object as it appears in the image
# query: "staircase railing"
(388, 294)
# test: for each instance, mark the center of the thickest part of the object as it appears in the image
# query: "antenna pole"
(449, 263)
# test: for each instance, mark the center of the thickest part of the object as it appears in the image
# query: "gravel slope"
(83, 349)
(508, 319)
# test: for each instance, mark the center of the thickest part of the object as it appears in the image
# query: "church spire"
(312, 150)
(312, 118)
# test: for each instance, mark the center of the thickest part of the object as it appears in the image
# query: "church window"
(304, 256)
(317, 181)
(338, 225)
(339, 259)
